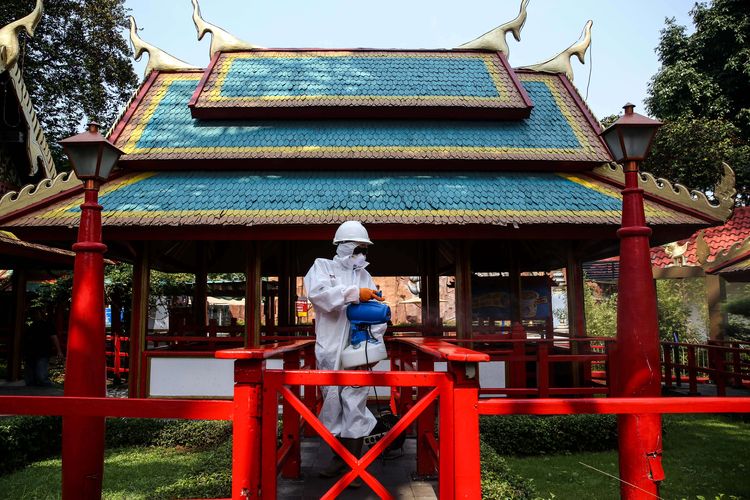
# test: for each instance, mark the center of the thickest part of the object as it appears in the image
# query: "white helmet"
(351, 230)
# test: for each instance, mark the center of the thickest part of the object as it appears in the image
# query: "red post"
(246, 425)
(426, 464)
(637, 370)
(720, 367)
(518, 367)
(736, 365)
(466, 464)
(542, 369)
(668, 366)
(692, 371)
(291, 426)
(85, 370)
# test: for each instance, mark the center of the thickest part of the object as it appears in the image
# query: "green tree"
(702, 92)
(675, 313)
(601, 311)
(77, 65)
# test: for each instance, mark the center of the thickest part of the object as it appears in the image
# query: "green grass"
(704, 456)
(134, 473)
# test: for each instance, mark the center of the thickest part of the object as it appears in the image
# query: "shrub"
(524, 435)
(24, 439)
(134, 431)
(498, 482)
(194, 434)
(214, 480)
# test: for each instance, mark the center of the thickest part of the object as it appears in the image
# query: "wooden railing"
(722, 363)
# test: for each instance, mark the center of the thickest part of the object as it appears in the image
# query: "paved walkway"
(395, 474)
(703, 390)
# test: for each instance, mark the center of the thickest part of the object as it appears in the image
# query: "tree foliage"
(77, 66)
(675, 313)
(702, 92)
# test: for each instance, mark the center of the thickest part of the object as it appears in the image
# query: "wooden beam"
(430, 288)
(139, 321)
(574, 285)
(463, 289)
(200, 294)
(252, 295)
(677, 272)
(515, 285)
(286, 289)
(19, 320)
(577, 317)
(716, 294)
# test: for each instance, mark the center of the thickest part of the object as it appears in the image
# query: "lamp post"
(637, 369)
(92, 158)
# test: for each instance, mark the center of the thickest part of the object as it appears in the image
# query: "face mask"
(344, 250)
(359, 260)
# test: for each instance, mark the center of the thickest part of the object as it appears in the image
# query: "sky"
(620, 62)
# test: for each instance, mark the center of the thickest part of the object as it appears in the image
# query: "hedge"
(524, 435)
(498, 482)
(25, 439)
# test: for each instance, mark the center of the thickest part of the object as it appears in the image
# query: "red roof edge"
(516, 81)
(203, 80)
(133, 106)
(584, 109)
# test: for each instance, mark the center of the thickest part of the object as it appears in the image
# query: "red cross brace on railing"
(255, 407)
(258, 457)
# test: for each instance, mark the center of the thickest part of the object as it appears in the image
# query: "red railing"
(117, 356)
(724, 363)
(451, 396)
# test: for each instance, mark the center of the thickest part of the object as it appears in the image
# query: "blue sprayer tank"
(363, 348)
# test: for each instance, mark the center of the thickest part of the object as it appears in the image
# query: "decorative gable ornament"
(221, 40)
(495, 39)
(561, 62)
(157, 59)
(9, 47)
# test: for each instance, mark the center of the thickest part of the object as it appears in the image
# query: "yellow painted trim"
(108, 188)
(224, 66)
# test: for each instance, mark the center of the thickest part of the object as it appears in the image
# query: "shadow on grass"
(704, 456)
(134, 473)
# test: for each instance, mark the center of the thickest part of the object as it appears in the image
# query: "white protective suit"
(331, 286)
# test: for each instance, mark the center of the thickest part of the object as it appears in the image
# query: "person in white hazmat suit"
(331, 286)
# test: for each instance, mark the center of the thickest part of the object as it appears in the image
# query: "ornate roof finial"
(561, 62)
(157, 58)
(9, 47)
(495, 39)
(221, 40)
(725, 189)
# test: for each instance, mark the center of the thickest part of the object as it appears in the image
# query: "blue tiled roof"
(168, 191)
(173, 127)
(292, 197)
(357, 76)
(164, 129)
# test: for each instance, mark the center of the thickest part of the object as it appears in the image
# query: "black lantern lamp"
(91, 155)
(630, 137)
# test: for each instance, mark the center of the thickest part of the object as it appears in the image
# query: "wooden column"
(430, 289)
(139, 323)
(286, 287)
(463, 289)
(19, 319)
(716, 294)
(200, 294)
(577, 317)
(252, 295)
(515, 285)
